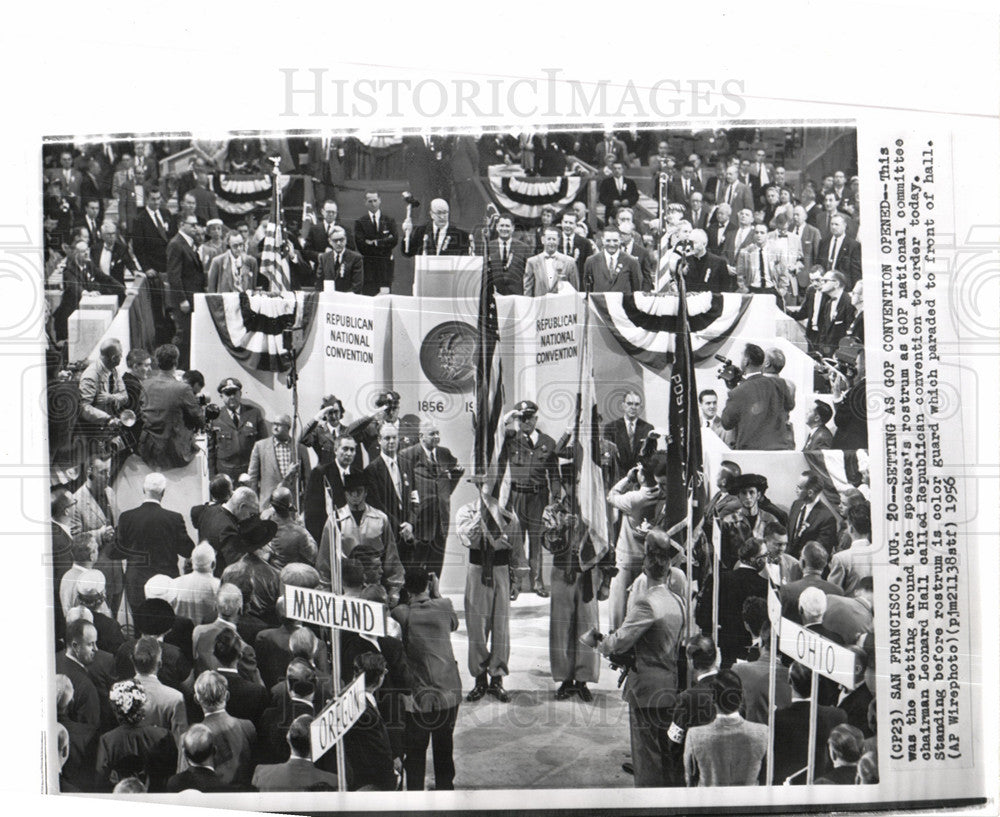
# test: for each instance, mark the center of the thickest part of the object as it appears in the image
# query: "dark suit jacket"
(273, 654)
(742, 197)
(350, 277)
(735, 587)
(627, 278)
(791, 739)
(821, 526)
(377, 255)
(700, 221)
(174, 671)
(217, 526)
(628, 454)
(607, 194)
(77, 279)
(382, 491)
(185, 272)
(367, 749)
(314, 506)
(675, 190)
(148, 242)
(789, 594)
(247, 700)
(758, 409)
(848, 259)
(79, 767)
(818, 439)
(235, 445)
(85, 706)
(509, 279)
(456, 242)
(271, 745)
(434, 485)
(851, 419)
(732, 250)
(834, 327)
(719, 247)
(708, 274)
(317, 241)
(804, 312)
(580, 249)
(170, 414)
(295, 774)
(150, 538)
(200, 779)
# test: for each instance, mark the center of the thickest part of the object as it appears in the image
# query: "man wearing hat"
(239, 426)
(252, 571)
(497, 568)
(155, 617)
(322, 431)
(366, 431)
(292, 542)
(278, 461)
(748, 520)
(534, 474)
(361, 525)
(232, 270)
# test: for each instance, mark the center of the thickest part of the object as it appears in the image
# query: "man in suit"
(164, 705)
(840, 252)
(628, 432)
(432, 473)
(740, 238)
(813, 560)
(366, 744)
(851, 616)
(708, 405)
(757, 408)
(848, 567)
(334, 475)
(755, 674)
(617, 191)
(762, 268)
(185, 277)
(90, 221)
(729, 751)
(69, 176)
(81, 275)
(736, 194)
(388, 490)
(436, 238)
(706, 272)
(298, 773)
(791, 731)
(317, 238)
(809, 519)
(507, 257)
(719, 227)
(571, 242)
(247, 699)
(819, 437)
(697, 212)
(92, 514)
(809, 240)
(653, 627)
(234, 738)
(73, 661)
(219, 523)
(632, 244)
(151, 539)
(346, 268)
(229, 602)
(610, 145)
(376, 236)
(150, 234)
(110, 255)
(199, 756)
(239, 427)
(274, 461)
(683, 186)
(298, 699)
(811, 308)
(545, 272)
(612, 270)
(234, 270)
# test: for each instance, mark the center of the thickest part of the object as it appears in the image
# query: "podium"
(447, 276)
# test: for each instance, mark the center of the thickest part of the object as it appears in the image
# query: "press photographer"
(757, 406)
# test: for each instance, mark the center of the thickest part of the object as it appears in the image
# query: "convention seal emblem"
(448, 356)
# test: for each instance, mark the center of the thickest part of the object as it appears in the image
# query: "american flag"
(487, 431)
(590, 489)
(273, 265)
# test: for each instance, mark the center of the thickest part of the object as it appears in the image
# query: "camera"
(212, 410)
(729, 373)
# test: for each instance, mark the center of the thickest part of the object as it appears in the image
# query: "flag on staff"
(487, 431)
(685, 464)
(590, 479)
(273, 265)
(308, 202)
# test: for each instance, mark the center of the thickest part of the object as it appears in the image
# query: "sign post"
(823, 657)
(774, 618)
(337, 612)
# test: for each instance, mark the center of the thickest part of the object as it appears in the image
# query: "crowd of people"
(177, 666)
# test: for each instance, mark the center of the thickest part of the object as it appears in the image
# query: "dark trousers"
(436, 727)
(182, 336)
(529, 509)
(428, 554)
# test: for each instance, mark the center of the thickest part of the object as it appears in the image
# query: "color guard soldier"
(534, 474)
(496, 570)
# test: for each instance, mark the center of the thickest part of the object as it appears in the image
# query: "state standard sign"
(330, 725)
(819, 654)
(330, 610)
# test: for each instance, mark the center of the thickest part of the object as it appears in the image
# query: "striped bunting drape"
(250, 326)
(646, 325)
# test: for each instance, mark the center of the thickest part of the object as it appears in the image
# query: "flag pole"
(772, 672)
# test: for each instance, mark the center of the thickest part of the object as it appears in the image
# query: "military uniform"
(234, 443)
(534, 475)
(574, 598)
(496, 562)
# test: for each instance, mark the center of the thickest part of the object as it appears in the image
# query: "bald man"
(432, 472)
(437, 238)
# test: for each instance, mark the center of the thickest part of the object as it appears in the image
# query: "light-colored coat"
(536, 279)
(223, 276)
(264, 473)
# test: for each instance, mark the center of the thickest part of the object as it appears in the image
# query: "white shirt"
(550, 269)
(105, 262)
(393, 466)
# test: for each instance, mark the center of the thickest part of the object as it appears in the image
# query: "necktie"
(503, 253)
(833, 252)
(159, 221)
(729, 194)
(566, 246)
(797, 230)
(687, 188)
(236, 418)
(437, 236)
(394, 473)
(111, 382)
(337, 266)
(375, 222)
(801, 522)
(763, 268)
